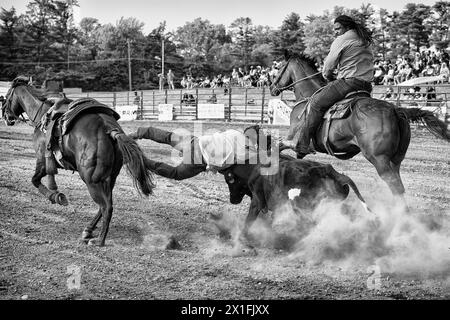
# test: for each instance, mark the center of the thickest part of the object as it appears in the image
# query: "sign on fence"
(211, 111)
(165, 112)
(281, 111)
(127, 113)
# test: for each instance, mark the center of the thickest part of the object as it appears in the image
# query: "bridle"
(6, 108)
(293, 83)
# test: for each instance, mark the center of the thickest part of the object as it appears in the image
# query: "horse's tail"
(436, 126)
(134, 160)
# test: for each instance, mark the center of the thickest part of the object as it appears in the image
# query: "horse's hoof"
(86, 235)
(61, 199)
(96, 242)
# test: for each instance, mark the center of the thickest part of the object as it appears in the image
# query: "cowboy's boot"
(160, 168)
(152, 133)
(305, 133)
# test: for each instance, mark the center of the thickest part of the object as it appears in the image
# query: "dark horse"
(95, 146)
(376, 128)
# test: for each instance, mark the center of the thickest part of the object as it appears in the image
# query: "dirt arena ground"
(337, 259)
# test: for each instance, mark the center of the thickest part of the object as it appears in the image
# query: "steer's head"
(238, 187)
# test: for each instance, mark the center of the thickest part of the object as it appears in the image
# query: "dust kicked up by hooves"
(394, 239)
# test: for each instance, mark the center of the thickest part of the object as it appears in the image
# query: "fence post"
(398, 96)
(262, 105)
(153, 98)
(447, 112)
(114, 100)
(245, 101)
(229, 104)
(196, 104)
(128, 98)
(165, 96)
(141, 116)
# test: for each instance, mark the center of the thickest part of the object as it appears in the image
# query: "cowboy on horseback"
(351, 54)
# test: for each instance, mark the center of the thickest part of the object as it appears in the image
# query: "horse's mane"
(40, 94)
(311, 61)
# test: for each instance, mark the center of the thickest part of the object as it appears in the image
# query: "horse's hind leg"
(88, 231)
(101, 193)
(389, 173)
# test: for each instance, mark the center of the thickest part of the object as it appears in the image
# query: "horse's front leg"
(51, 192)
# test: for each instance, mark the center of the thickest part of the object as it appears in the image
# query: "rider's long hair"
(363, 33)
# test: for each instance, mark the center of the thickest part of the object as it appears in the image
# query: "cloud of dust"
(390, 237)
(346, 235)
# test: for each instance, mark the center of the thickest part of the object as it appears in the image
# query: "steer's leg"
(243, 246)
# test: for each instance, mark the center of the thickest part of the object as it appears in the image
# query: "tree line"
(45, 42)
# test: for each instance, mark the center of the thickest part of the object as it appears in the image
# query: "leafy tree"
(9, 37)
(439, 24)
(64, 31)
(39, 31)
(411, 23)
(87, 37)
(242, 36)
(318, 36)
(290, 36)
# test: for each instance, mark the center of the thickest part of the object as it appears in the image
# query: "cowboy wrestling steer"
(313, 182)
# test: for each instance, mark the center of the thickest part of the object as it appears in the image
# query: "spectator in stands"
(137, 99)
(241, 75)
(445, 72)
(408, 72)
(428, 71)
(389, 95)
(170, 79)
(190, 82)
(379, 73)
(183, 83)
(431, 93)
(389, 76)
(234, 77)
(270, 113)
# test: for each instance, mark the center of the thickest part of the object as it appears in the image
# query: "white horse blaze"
(294, 192)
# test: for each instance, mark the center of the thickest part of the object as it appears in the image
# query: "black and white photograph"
(229, 156)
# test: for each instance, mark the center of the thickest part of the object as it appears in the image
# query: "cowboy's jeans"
(193, 162)
(320, 103)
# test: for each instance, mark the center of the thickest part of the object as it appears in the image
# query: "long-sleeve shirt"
(226, 148)
(351, 58)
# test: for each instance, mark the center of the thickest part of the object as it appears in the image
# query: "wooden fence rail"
(251, 104)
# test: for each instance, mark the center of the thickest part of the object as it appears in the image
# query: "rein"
(297, 81)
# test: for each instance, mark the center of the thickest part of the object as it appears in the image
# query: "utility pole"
(162, 56)
(129, 65)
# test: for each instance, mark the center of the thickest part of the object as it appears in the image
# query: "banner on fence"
(127, 113)
(165, 112)
(211, 111)
(278, 112)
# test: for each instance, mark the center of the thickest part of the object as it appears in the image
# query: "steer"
(310, 181)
